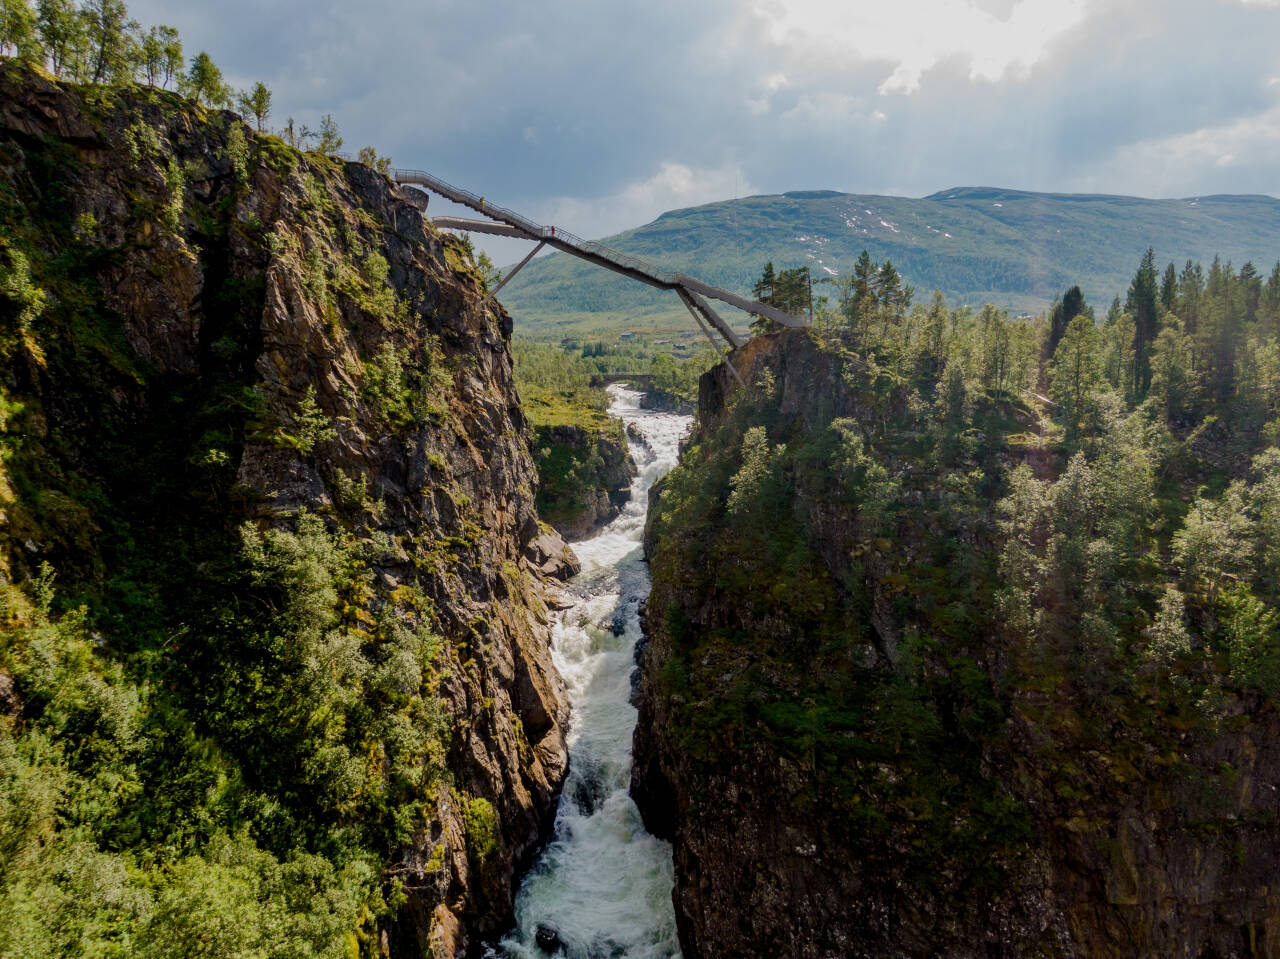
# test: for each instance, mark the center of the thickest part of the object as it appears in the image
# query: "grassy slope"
(1012, 248)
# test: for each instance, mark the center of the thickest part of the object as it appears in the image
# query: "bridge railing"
(632, 264)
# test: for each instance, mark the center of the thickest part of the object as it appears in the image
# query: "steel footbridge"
(503, 222)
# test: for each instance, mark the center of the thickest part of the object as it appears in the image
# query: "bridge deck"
(597, 253)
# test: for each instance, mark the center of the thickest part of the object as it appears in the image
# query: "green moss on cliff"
(221, 713)
(580, 450)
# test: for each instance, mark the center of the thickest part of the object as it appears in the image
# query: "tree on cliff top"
(161, 55)
(112, 39)
(257, 103)
(204, 83)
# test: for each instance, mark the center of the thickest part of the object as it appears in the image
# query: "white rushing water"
(603, 884)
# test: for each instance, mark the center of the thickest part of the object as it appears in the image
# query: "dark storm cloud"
(574, 100)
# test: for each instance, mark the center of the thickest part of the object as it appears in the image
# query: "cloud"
(673, 186)
(598, 114)
(1208, 160)
(911, 36)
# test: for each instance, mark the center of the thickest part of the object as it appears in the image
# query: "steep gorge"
(857, 746)
(275, 657)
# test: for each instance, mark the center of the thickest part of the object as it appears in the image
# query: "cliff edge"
(275, 654)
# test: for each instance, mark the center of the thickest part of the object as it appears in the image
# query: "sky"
(598, 115)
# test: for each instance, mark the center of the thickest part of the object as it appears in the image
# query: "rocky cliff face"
(855, 754)
(226, 332)
(585, 476)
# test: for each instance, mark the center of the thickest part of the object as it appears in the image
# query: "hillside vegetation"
(967, 630)
(274, 669)
(976, 245)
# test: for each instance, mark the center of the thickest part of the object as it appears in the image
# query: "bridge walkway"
(692, 291)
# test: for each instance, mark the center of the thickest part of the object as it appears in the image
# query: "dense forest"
(1018, 580)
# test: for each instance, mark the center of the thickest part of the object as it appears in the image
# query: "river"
(603, 884)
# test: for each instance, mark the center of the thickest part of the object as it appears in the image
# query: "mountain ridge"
(1015, 248)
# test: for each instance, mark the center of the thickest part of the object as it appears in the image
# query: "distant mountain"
(976, 244)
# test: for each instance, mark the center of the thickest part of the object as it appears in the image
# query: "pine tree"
(859, 302)
(1250, 289)
(1060, 316)
(1141, 305)
(1169, 289)
(763, 290)
(1269, 305)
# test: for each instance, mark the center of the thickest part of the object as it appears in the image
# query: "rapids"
(603, 884)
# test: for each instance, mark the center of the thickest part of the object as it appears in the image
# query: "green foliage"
(482, 829)
(369, 157)
(1252, 633)
(161, 53)
(24, 302)
(112, 41)
(92, 771)
(238, 153)
(311, 423)
(1169, 638)
(788, 290)
(18, 30)
(62, 32)
(175, 180)
(1215, 543)
(204, 84)
(328, 140)
(385, 384)
(142, 141)
(1075, 376)
(256, 103)
(758, 461)
(404, 391)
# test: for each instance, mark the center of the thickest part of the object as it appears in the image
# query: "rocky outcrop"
(233, 332)
(666, 402)
(584, 476)
(852, 757)
(552, 557)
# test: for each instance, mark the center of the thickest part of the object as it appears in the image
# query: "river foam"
(603, 884)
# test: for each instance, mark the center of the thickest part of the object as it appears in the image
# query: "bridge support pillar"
(687, 299)
(514, 270)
